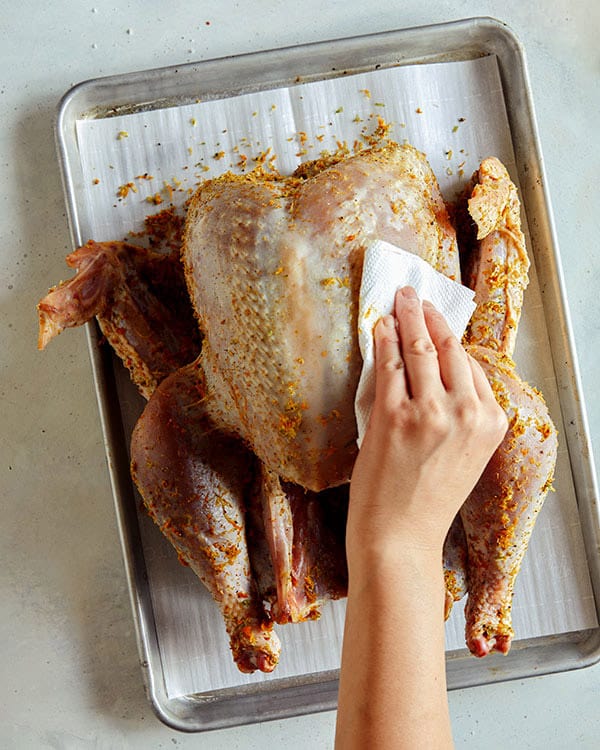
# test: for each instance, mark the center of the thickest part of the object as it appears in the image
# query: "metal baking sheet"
(215, 79)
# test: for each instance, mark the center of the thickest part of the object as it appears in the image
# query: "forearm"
(434, 425)
(393, 682)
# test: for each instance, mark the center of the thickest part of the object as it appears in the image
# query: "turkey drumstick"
(500, 513)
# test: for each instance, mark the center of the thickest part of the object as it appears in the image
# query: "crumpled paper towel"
(387, 268)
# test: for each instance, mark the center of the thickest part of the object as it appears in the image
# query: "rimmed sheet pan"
(214, 80)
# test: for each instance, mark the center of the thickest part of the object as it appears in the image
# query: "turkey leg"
(500, 513)
(193, 479)
(305, 535)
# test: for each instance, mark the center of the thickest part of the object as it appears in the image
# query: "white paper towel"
(386, 268)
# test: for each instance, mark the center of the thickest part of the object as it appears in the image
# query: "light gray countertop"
(70, 674)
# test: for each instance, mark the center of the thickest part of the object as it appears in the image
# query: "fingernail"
(428, 304)
(387, 321)
(408, 292)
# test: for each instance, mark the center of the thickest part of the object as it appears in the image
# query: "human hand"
(433, 428)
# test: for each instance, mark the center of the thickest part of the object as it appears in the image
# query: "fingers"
(497, 416)
(452, 359)
(417, 355)
(389, 366)
(480, 381)
(416, 347)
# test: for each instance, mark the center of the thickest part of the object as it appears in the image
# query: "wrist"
(375, 528)
(401, 562)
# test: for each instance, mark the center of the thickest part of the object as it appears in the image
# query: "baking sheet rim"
(122, 490)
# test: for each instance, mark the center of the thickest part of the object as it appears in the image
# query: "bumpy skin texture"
(500, 513)
(274, 270)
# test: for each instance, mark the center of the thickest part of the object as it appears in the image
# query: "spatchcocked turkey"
(244, 452)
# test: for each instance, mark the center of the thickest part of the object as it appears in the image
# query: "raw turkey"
(500, 513)
(244, 453)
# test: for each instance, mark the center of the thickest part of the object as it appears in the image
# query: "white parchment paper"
(455, 113)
